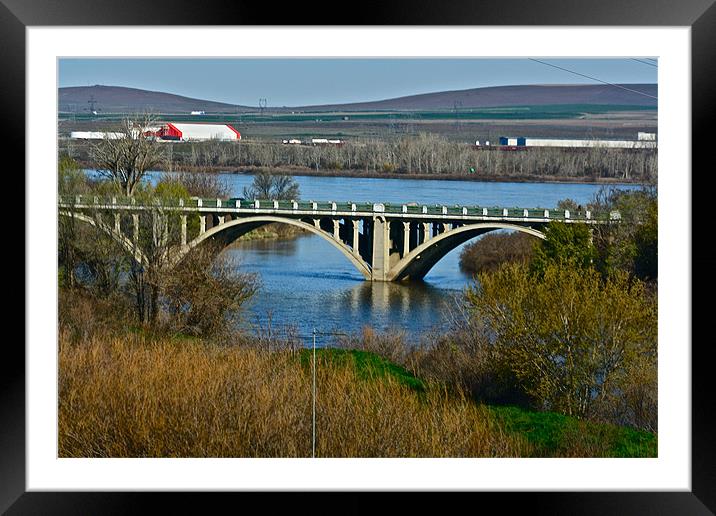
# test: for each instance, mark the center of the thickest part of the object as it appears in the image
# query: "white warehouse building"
(95, 135)
(189, 131)
(615, 144)
(643, 141)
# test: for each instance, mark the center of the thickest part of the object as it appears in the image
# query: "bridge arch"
(229, 231)
(132, 250)
(418, 262)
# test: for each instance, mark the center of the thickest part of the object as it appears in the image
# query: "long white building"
(200, 132)
(614, 144)
(95, 135)
(643, 141)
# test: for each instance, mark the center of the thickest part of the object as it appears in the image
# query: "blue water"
(307, 283)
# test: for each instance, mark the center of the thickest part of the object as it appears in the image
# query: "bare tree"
(203, 184)
(145, 278)
(127, 158)
(205, 292)
(272, 186)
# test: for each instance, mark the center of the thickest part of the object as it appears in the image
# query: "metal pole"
(314, 393)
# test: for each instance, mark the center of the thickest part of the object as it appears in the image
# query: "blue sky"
(295, 82)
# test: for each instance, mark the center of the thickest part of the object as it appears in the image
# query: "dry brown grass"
(385, 419)
(127, 397)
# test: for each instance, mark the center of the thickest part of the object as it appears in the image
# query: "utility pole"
(314, 394)
(456, 106)
(313, 428)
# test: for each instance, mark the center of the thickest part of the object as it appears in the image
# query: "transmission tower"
(456, 108)
(92, 102)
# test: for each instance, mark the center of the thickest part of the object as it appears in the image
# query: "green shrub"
(573, 339)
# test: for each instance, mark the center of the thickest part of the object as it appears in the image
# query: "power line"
(594, 78)
(644, 62)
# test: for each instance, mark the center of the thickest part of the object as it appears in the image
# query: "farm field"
(556, 121)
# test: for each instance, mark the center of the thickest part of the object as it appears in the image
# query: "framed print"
(43, 43)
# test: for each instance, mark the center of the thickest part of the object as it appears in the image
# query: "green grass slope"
(550, 434)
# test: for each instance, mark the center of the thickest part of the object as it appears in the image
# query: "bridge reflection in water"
(336, 297)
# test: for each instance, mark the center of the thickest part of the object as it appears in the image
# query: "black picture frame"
(700, 15)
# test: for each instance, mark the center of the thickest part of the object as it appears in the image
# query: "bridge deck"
(339, 209)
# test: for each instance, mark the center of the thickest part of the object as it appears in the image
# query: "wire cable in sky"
(594, 78)
(644, 62)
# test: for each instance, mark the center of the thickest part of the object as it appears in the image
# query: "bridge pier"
(356, 235)
(406, 238)
(135, 237)
(183, 230)
(380, 262)
(426, 232)
(135, 228)
(336, 229)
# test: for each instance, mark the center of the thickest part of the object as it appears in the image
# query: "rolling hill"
(506, 96)
(116, 99)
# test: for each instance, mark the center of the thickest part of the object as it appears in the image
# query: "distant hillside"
(116, 99)
(505, 96)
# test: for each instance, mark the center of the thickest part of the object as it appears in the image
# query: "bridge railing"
(393, 208)
(324, 206)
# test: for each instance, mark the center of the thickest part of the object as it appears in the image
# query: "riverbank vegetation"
(91, 260)
(630, 246)
(574, 327)
(425, 154)
(142, 395)
(126, 397)
(494, 249)
(569, 342)
(551, 354)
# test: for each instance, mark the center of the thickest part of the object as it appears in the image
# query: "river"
(306, 283)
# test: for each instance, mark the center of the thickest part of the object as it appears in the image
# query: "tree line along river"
(333, 296)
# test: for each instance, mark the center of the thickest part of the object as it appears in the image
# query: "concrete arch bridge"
(385, 242)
